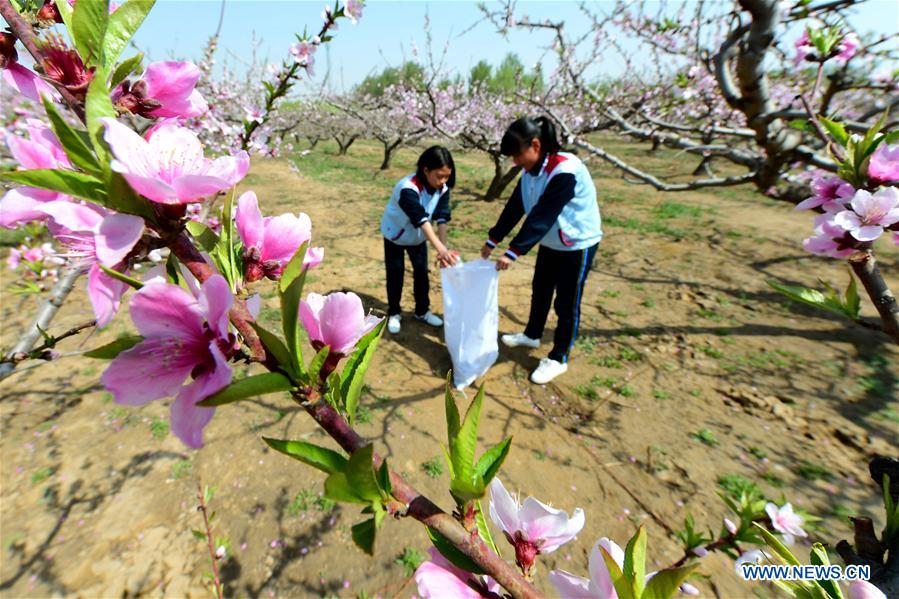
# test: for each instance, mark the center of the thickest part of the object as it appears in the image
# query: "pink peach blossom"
(336, 320)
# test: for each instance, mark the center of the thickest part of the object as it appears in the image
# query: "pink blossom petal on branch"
(215, 300)
(75, 217)
(503, 507)
(131, 151)
(249, 220)
(310, 309)
(150, 370)
(573, 587)
(173, 84)
(599, 572)
(27, 83)
(105, 294)
(191, 188)
(883, 166)
(230, 168)
(116, 237)
(283, 236)
(314, 257)
(167, 311)
(21, 205)
(188, 419)
(553, 526)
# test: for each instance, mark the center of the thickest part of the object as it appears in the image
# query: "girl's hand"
(485, 251)
(447, 258)
(503, 263)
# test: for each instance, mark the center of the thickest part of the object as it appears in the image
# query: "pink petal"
(178, 152)
(862, 589)
(192, 106)
(435, 582)
(503, 507)
(74, 217)
(117, 236)
(599, 572)
(341, 321)
(105, 294)
(149, 187)
(283, 235)
(553, 526)
(132, 153)
(27, 83)
(230, 168)
(188, 419)
(314, 257)
(167, 311)
(868, 232)
(19, 206)
(192, 188)
(173, 84)
(30, 154)
(573, 587)
(310, 311)
(215, 300)
(254, 305)
(249, 220)
(152, 369)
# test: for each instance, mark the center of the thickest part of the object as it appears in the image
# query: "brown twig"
(16, 357)
(864, 265)
(209, 540)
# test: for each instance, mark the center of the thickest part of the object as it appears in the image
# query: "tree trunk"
(389, 149)
(344, 144)
(500, 179)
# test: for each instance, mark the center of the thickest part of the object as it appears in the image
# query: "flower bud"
(49, 12)
(8, 52)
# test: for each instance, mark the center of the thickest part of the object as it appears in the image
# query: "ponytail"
(520, 133)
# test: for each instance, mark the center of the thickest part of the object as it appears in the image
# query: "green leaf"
(224, 250)
(89, 21)
(326, 460)
(70, 183)
(122, 198)
(891, 138)
(125, 68)
(338, 488)
(77, 148)
(836, 130)
(353, 375)
(384, 478)
(664, 584)
(111, 350)
(360, 474)
(623, 586)
(484, 529)
(489, 463)
(98, 105)
(452, 411)
(812, 297)
(172, 270)
(818, 557)
(65, 11)
(364, 535)
(635, 561)
(452, 554)
(332, 394)
(777, 546)
(123, 23)
(316, 363)
(252, 386)
(464, 490)
(462, 448)
(290, 316)
(202, 234)
(273, 345)
(294, 268)
(198, 534)
(130, 281)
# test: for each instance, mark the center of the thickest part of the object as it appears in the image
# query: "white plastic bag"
(470, 318)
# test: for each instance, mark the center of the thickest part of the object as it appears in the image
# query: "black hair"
(520, 133)
(436, 157)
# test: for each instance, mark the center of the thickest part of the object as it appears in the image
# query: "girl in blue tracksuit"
(555, 194)
(417, 201)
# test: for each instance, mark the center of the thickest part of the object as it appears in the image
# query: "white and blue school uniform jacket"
(411, 205)
(559, 199)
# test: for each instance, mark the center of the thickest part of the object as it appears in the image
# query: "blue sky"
(385, 35)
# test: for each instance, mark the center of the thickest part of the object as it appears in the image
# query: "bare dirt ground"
(689, 371)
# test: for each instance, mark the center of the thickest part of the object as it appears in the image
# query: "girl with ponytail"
(556, 195)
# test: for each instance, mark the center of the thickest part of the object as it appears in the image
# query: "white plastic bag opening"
(470, 318)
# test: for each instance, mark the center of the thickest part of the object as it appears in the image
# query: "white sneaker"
(431, 319)
(547, 371)
(393, 324)
(517, 339)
